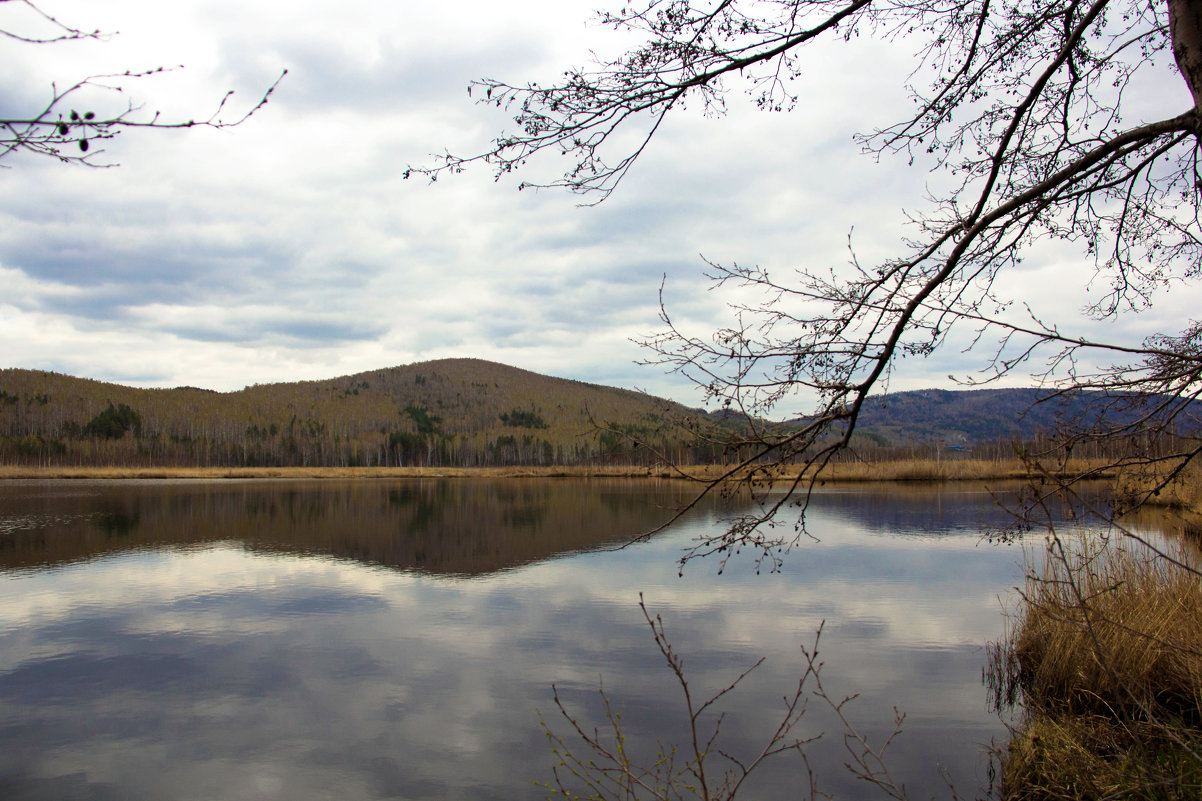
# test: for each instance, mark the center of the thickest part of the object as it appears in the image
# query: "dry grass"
(901, 470)
(1106, 627)
(945, 470)
(585, 471)
(1107, 654)
(1150, 485)
(956, 469)
(1089, 757)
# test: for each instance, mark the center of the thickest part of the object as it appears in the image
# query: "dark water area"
(399, 638)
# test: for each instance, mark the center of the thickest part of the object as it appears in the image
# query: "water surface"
(397, 638)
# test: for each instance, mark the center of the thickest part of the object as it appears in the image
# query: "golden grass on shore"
(1107, 654)
(20, 472)
(946, 469)
(1150, 486)
(902, 470)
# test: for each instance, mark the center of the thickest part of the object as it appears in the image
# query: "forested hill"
(993, 415)
(447, 412)
(957, 416)
(453, 412)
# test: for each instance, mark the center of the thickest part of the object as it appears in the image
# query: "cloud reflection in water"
(393, 639)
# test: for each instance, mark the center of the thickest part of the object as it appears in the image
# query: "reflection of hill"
(933, 508)
(444, 527)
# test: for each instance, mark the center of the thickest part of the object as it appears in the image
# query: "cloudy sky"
(290, 247)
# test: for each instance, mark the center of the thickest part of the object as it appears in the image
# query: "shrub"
(1106, 656)
(113, 422)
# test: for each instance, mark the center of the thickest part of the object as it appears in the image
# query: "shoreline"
(915, 470)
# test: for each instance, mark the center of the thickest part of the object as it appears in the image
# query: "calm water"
(394, 639)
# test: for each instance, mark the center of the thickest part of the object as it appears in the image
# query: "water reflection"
(439, 526)
(319, 640)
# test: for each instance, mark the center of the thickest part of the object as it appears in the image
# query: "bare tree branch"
(71, 133)
(1021, 107)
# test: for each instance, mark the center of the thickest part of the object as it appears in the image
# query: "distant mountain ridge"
(960, 415)
(991, 415)
(455, 412)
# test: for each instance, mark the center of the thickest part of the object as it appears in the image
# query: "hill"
(993, 415)
(965, 416)
(451, 412)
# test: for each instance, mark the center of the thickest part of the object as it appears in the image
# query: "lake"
(398, 638)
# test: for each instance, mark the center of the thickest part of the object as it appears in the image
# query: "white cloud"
(223, 258)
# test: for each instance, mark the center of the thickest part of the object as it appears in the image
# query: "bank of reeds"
(918, 469)
(1157, 485)
(581, 471)
(852, 471)
(956, 469)
(953, 469)
(1105, 656)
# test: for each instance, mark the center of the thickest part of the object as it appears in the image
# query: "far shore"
(905, 470)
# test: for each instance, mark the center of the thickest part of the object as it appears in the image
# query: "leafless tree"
(1024, 107)
(598, 763)
(69, 133)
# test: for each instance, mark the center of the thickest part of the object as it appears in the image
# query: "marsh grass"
(1089, 757)
(919, 469)
(586, 471)
(1105, 655)
(957, 469)
(1158, 485)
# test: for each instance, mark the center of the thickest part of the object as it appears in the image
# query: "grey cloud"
(21, 94)
(624, 220)
(324, 76)
(116, 277)
(587, 310)
(323, 332)
(173, 260)
(326, 331)
(99, 304)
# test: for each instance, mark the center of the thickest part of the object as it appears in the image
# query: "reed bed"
(585, 471)
(1150, 485)
(948, 469)
(1106, 656)
(956, 469)
(920, 469)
